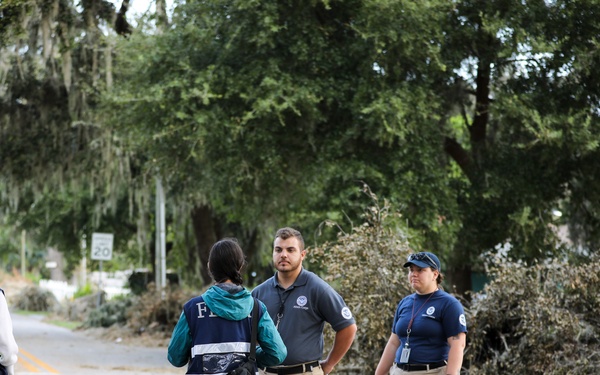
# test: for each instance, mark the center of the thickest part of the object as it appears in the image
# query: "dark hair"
(285, 233)
(439, 280)
(226, 260)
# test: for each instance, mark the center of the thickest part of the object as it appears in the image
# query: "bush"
(110, 313)
(541, 319)
(34, 298)
(161, 314)
(146, 313)
(365, 267)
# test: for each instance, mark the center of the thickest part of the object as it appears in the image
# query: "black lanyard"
(282, 303)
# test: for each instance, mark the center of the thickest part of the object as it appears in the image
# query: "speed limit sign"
(102, 244)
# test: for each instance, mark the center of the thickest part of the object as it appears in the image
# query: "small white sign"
(102, 245)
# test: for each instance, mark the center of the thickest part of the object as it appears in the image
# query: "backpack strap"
(252, 356)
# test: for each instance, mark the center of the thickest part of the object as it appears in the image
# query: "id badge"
(404, 355)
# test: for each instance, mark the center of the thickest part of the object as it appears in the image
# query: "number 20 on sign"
(102, 244)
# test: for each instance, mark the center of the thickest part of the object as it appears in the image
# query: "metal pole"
(23, 252)
(161, 261)
(99, 301)
(83, 264)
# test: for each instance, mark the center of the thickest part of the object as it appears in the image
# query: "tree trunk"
(206, 233)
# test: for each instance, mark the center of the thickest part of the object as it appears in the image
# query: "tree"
(257, 110)
(529, 108)
(263, 114)
(62, 172)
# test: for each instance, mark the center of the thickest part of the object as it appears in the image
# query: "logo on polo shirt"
(462, 320)
(430, 310)
(301, 301)
(346, 313)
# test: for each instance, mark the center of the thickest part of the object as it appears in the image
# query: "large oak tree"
(479, 117)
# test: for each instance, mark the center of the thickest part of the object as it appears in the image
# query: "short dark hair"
(287, 232)
(226, 260)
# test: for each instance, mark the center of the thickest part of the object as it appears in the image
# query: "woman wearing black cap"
(429, 329)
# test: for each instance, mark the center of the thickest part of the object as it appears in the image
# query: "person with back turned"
(213, 334)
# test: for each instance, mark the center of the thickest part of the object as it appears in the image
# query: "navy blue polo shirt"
(436, 318)
(307, 305)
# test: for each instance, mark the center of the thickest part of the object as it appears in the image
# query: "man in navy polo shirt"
(300, 303)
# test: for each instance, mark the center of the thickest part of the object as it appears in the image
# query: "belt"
(298, 369)
(420, 366)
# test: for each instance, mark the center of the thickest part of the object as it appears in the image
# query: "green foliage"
(262, 110)
(365, 267)
(63, 175)
(109, 313)
(10, 12)
(478, 118)
(536, 319)
(86, 290)
(9, 249)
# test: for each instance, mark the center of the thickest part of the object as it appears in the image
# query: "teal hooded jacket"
(231, 302)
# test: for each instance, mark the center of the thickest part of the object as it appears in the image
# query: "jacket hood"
(234, 305)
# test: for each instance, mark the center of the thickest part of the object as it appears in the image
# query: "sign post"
(102, 245)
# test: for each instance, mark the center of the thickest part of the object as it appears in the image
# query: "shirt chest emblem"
(301, 301)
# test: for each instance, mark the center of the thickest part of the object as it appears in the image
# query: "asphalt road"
(48, 349)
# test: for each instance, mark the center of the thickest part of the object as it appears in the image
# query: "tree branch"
(459, 154)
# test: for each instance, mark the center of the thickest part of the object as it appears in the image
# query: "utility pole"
(161, 252)
(23, 252)
(83, 263)
(160, 248)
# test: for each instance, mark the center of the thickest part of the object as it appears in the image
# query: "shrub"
(161, 314)
(365, 267)
(110, 313)
(34, 298)
(146, 313)
(541, 319)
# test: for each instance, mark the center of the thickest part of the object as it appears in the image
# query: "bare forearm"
(342, 342)
(456, 353)
(387, 358)
(386, 361)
